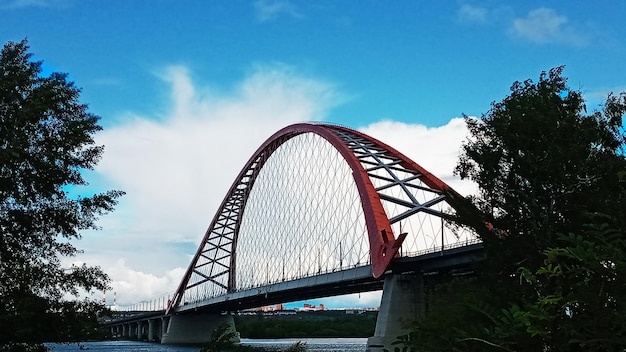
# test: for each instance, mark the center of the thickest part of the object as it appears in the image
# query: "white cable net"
(426, 232)
(303, 216)
(409, 203)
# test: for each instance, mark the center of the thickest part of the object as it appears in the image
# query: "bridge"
(319, 210)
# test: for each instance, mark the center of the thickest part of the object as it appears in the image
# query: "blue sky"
(424, 61)
(174, 81)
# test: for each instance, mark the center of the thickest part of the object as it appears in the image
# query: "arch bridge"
(321, 210)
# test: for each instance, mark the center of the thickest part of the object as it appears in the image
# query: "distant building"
(306, 307)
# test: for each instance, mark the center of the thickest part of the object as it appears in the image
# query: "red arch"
(384, 245)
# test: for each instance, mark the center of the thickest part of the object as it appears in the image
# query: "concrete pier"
(195, 328)
(401, 304)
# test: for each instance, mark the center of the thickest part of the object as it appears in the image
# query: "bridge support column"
(154, 330)
(195, 328)
(150, 330)
(401, 304)
(165, 322)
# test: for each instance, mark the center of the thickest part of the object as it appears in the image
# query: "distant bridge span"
(320, 203)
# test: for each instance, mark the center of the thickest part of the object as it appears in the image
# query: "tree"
(46, 140)
(551, 180)
(552, 190)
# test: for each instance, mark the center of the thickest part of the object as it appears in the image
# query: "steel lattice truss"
(314, 199)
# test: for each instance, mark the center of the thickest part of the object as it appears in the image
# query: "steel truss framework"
(390, 190)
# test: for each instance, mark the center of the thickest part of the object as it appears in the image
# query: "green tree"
(552, 193)
(46, 140)
(551, 181)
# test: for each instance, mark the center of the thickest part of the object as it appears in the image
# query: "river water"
(313, 345)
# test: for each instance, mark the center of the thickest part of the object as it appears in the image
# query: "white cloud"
(179, 168)
(132, 286)
(544, 25)
(469, 13)
(268, 10)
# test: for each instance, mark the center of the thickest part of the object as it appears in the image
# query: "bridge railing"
(150, 305)
(458, 244)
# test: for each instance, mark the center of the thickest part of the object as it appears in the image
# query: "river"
(313, 345)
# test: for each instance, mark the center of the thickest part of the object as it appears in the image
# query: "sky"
(187, 90)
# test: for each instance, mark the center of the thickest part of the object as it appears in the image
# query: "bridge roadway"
(454, 261)
(358, 279)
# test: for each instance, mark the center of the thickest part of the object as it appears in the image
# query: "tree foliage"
(552, 189)
(46, 140)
